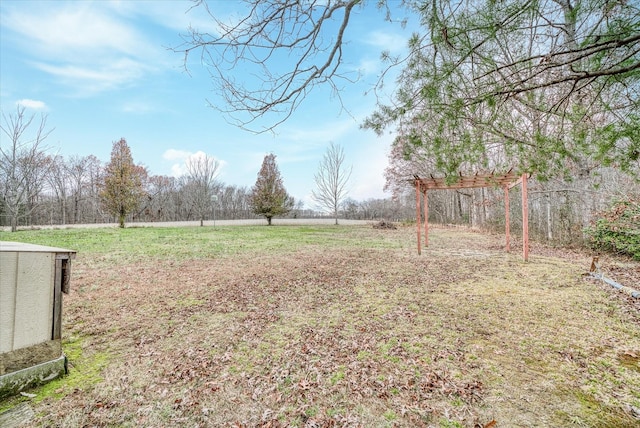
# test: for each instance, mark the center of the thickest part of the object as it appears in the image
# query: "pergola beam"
(468, 181)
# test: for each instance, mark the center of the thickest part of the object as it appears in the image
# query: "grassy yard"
(334, 326)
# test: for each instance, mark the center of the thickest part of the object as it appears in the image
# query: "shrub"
(618, 228)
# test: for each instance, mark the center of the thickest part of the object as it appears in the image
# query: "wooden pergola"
(506, 181)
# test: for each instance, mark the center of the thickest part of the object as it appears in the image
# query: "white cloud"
(65, 30)
(86, 45)
(183, 157)
(138, 107)
(90, 79)
(173, 154)
(369, 66)
(320, 135)
(178, 170)
(32, 104)
(390, 42)
(176, 15)
(381, 41)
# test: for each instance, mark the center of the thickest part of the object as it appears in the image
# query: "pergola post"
(418, 213)
(525, 219)
(506, 218)
(426, 218)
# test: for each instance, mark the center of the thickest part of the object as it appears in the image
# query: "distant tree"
(351, 209)
(162, 190)
(298, 208)
(144, 197)
(58, 180)
(331, 180)
(234, 202)
(78, 171)
(268, 196)
(92, 209)
(202, 173)
(23, 164)
(122, 185)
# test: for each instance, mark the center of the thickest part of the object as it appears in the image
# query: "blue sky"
(101, 71)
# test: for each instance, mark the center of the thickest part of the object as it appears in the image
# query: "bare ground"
(464, 335)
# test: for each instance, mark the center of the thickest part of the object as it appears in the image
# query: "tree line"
(42, 189)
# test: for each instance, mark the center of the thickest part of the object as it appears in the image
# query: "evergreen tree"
(268, 196)
(122, 185)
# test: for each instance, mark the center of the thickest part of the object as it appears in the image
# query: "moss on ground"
(84, 372)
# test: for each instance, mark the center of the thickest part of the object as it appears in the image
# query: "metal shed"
(32, 280)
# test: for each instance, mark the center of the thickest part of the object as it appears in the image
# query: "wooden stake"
(525, 219)
(506, 218)
(418, 212)
(426, 219)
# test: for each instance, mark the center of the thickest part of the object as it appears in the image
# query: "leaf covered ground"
(340, 326)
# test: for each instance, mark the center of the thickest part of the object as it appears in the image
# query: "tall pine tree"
(122, 185)
(268, 196)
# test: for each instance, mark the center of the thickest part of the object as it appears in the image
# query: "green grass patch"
(110, 245)
(85, 370)
(594, 413)
(337, 376)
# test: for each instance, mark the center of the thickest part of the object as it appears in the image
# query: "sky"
(102, 70)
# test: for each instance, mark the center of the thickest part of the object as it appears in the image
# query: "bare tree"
(606, 32)
(162, 191)
(144, 198)
(202, 173)
(58, 181)
(93, 210)
(234, 202)
(23, 163)
(331, 180)
(78, 171)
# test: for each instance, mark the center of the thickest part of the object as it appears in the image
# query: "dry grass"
(337, 333)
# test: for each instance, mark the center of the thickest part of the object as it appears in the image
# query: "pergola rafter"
(505, 181)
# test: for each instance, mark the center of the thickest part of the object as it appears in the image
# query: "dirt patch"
(383, 224)
(464, 335)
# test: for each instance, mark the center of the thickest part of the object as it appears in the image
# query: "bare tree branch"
(271, 31)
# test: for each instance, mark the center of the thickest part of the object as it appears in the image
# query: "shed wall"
(9, 269)
(26, 299)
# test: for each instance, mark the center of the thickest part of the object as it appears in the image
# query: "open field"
(320, 325)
